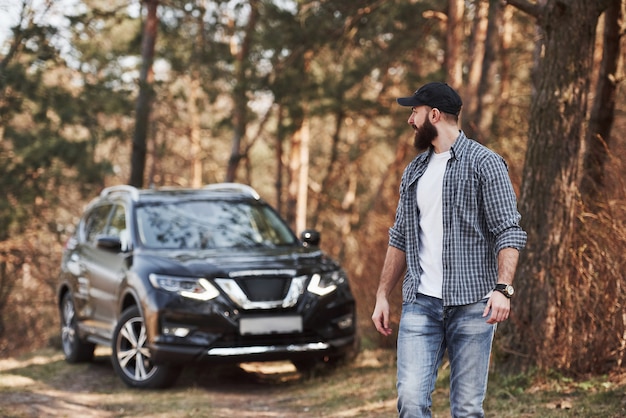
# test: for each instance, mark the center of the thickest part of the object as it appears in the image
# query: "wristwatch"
(506, 289)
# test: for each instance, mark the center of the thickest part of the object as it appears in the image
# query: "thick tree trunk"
(551, 180)
(144, 101)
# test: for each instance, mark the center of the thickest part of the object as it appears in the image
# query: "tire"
(75, 349)
(131, 355)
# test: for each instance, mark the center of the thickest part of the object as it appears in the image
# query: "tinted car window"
(117, 227)
(210, 224)
(95, 222)
(118, 222)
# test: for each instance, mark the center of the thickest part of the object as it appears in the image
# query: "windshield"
(211, 224)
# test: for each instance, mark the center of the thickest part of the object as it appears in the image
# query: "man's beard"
(424, 135)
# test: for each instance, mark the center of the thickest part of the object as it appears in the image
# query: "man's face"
(425, 133)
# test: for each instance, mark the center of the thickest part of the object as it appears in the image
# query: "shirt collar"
(459, 146)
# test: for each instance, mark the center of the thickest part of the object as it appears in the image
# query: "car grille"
(260, 289)
(263, 289)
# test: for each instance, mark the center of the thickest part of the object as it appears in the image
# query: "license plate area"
(270, 325)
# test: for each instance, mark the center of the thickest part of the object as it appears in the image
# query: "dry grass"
(43, 385)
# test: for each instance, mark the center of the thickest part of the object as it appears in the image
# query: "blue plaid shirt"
(480, 218)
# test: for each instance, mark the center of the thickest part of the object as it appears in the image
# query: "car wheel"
(131, 355)
(75, 349)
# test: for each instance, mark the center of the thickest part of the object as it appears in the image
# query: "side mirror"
(108, 243)
(310, 238)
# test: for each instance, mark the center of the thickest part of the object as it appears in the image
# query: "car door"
(104, 266)
(93, 223)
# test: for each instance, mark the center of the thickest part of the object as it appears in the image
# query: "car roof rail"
(238, 187)
(133, 191)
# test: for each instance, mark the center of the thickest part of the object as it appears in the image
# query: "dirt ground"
(43, 385)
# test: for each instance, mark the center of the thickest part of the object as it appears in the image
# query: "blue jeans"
(427, 329)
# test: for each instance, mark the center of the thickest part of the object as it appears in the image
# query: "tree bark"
(195, 149)
(598, 141)
(454, 43)
(551, 180)
(240, 111)
(476, 55)
(294, 170)
(278, 185)
(489, 88)
(505, 66)
(144, 101)
(195, 88)
(303, 175)
(328, 180)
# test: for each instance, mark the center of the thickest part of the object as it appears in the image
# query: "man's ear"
(435, 115)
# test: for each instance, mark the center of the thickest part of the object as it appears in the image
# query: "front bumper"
(177, 354)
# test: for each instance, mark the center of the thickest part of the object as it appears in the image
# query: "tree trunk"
(303, 176)
(505, 66)
(477, 55)
(489, 88)
(454, 43)
(240, 111)
(332, 173)
(598, 141)
(551, 180)
(278, 185)
(195, 149)
(195, 88)
(144, 101)
(299, 158)
(294, 170)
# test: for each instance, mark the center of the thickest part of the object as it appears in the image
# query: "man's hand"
(381, 316)
(500, 307)
(393, 270)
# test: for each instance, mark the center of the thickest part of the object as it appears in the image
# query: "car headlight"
(189, 287)
(324, 283)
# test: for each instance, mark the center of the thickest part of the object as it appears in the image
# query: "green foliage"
(43, 105)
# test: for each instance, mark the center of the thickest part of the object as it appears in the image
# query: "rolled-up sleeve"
(397, 239)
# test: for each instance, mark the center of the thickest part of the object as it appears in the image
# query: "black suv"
(172, 276)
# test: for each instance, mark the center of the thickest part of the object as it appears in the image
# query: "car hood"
(292, 261)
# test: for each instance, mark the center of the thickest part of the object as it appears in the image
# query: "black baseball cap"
(436, 94)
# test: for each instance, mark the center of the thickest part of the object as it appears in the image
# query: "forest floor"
(42, 384)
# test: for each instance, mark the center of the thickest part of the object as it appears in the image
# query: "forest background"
(297, 99)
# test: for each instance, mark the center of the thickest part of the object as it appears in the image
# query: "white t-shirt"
(429, 192)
